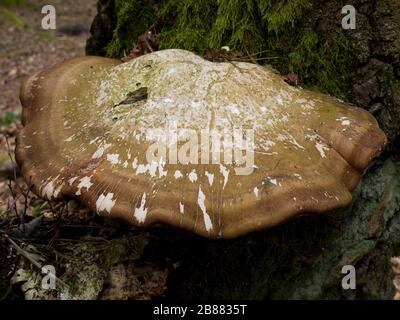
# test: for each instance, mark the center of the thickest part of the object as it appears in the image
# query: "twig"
(29, 257)
(251, 57)
(23, 252)
(255, 59)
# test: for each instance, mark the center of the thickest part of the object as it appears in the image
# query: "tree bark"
(304, 257)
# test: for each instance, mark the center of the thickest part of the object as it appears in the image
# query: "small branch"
(26, 254)
(22, 252)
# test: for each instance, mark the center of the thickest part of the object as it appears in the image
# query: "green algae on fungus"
(91, 124)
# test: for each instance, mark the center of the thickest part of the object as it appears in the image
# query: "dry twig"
(28, 256)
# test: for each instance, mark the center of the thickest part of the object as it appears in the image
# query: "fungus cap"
(220, 149)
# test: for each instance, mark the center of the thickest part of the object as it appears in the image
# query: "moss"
(133, 18)
(196, 25)
(123, 249)
(186, 24)
(323, 61)
(12, 17)
(12, 2)
(276, 30)
(9, 118)
(283, 14)
(238, 25)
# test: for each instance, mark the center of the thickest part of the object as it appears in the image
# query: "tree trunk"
(304, 257)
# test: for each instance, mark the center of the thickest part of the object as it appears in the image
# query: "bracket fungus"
(219, 149)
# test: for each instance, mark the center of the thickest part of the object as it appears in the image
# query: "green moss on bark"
(323, 62)
(276, 30)
(133, 17)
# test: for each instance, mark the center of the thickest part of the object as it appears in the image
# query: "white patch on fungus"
(135, 163)
(152, 167)
(72, 180)
(70, 138)
(210, 177)
(256, 191)
(113, 158)
(49, 189)
(161, 171)
(268, 143)
(102, 95)
(84, 183)
(201, 202)
(99, 152)
(93, 140)
(193, 176)
(298, 176)
(225, 173)
(181, 207)
(321, 148)
(294, 142)
(141, 212)
(281, 137)
(301, 100)
(273, 181)
(141, 168)
(178, 175)
(105, 202)
(57, 191)
(344, 121)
